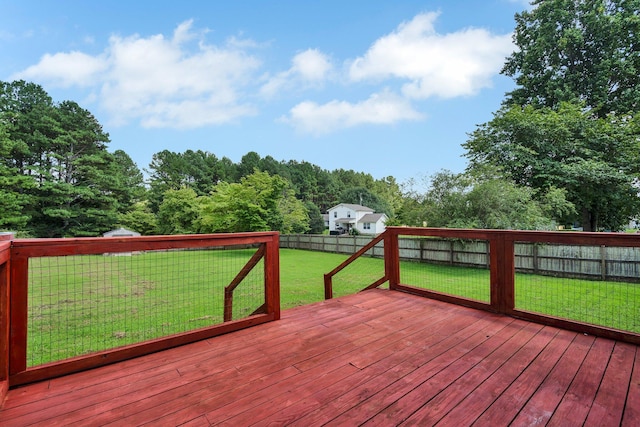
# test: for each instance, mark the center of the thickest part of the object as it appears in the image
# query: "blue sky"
(382, 87)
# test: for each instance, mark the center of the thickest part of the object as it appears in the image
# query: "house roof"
(345, 220)
(372, 217)
(357, 208)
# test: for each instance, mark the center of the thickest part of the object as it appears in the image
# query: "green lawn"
(83, 304)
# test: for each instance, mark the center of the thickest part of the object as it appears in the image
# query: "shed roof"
(121, 232)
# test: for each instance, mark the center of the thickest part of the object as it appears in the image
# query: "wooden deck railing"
(503, 277)
(14, 295)
(5, 252)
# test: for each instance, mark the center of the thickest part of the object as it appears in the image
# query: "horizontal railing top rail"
(99, 245)
(561, 237)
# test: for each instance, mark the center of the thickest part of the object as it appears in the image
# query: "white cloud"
(159, 81)
(308, 69)
(311, 65)
(181, 81)
(441, 65)
(382, 108)
(66, 69)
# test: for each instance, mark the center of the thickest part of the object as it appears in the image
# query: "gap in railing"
(83, 304)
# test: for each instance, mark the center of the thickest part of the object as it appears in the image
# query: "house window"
(367, 226)
(348, 214)
(335, 214)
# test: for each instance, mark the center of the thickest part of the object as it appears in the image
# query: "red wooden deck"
(376, 358)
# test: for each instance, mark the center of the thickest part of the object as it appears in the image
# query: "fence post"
(603, 262)
(451, 251)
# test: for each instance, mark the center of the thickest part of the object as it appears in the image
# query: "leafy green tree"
(199, 170)
(303, 178)
(231, 208)
(130, 181)
(259, 202)
(179, 212)
(580, 51)
(249, 163)
(139, 218)
(572, 122)
(295, 216)
(166, 172)
(481, 201)
(314, 184)
(593, 159)
(500, 204)
(445, 202)
(273, 167)
(362, 196)
(352, 179)
(389, 191)
(13, 188)
(316, 222)
(62, 176)
(328, 190)
(77, 194)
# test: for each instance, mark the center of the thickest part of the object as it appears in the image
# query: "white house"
(345, 217)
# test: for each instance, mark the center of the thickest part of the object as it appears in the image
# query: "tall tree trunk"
(587, 224)
(589, 220)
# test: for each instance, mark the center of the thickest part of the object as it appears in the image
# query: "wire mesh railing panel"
(362, 272)
(598, 285)
(455, 267)
(89, 303)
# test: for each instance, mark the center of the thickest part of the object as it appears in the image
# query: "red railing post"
(5, 252)
(392, 258)
(19, 277)
(502, 270)
(328, 286)
(272, 276)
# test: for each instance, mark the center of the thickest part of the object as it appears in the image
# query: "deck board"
(375, 358)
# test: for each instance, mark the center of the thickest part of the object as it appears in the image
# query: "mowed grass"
(604, 303)
(84, 304)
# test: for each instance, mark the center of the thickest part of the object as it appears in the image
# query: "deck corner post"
(5, 289)
(392, 257)
(272, 279)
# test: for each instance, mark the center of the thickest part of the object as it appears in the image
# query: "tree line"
(563, 149)
(57, 178)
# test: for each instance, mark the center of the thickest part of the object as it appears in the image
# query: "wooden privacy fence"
(600, 262)
(86, 278)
